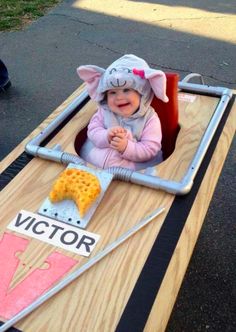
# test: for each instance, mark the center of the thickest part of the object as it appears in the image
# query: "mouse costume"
(143, 127)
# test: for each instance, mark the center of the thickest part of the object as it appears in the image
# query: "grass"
(15, 14)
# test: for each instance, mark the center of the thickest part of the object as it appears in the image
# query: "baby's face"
(124, 102)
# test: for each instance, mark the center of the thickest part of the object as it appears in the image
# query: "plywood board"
(98, 299)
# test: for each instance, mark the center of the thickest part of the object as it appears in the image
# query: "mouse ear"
(91, 75)
(157, 80)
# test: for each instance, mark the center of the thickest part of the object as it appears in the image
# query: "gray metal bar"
(206, 139)
(188, 77)
(81, 270)
(180, 188)
(218, 91)
(33, 146)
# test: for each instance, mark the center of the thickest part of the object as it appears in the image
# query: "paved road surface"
(183, 36)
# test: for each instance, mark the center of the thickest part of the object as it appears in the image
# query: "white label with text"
(54, 232)
(186, 97)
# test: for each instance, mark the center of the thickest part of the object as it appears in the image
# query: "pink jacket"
(138, 154)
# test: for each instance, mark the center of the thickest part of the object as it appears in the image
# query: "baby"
(125, 131)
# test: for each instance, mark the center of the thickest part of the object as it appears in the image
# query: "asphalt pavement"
(181, 36)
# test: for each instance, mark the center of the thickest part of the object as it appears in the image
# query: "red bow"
(139, 72)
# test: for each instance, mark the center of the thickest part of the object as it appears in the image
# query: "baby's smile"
(123, 105)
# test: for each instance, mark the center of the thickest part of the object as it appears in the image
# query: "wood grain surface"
(96, 301)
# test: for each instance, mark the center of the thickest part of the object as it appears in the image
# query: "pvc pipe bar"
(180, 188)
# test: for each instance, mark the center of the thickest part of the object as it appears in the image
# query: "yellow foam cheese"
(80, 186)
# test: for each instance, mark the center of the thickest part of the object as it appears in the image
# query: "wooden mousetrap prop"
(134, 286)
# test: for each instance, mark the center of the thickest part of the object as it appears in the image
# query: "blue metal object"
(5, 82)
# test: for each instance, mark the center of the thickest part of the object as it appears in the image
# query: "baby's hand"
(119, 142)
(114, 131)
